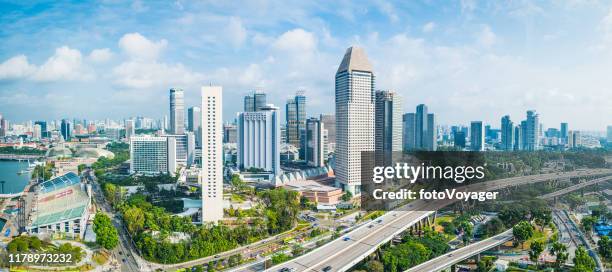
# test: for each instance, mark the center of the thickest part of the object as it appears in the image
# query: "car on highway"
(379, 221)
(370, 226)
(217, 256)
(346, 238)
(327, 268)
(287, 269)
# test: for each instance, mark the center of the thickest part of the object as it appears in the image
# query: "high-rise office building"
(177, 111)
(574, 140)
(183, 147)
(354, 94)
(295, 113)
(66, 130)
(43, 128)
(388, 122)
(459, 139)
(476, 136)
(420, 130)
(229, 133)
(130, 128)
(36, 132)
(329, 122)
(409, 131)
(212, 154)
(259, 140)
(563, 131)
(255, 101)
(315, 142)
(609, 138)
(518, 144)
(530, 129)
(194, 123)
(507, 133)
(152, 155)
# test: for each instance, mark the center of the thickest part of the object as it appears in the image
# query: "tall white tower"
(212, 152)
(354, 117)
(177, 111)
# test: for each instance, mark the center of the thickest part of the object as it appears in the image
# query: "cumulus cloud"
(16, 67)
(100, 55)
(296, 40)
(144, 69)
(136, 46)
(65, 64)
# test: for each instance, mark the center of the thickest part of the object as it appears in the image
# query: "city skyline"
(461, 60)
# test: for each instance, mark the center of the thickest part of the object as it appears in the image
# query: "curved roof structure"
(93, 153)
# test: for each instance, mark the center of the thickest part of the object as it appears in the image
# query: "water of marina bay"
(14, 183)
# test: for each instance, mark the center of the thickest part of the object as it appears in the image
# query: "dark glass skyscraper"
(66, 130)
(255, 101)
(296, 119)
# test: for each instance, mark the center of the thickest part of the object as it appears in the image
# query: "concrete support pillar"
(453, 268)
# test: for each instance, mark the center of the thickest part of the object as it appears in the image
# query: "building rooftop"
(60, 182)
(355, 58)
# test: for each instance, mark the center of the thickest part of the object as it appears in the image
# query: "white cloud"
(388, 9)
(296, 40)
(429, 27)
(140, 75)
(235, 31)
(139, 47)
(16, 67)
(66, 64)
(486, 37)
(143, 69)
(100, 55)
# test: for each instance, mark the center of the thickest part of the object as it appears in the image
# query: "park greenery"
(32, 244)
(413, 250)
(152, 227)
(21, 151)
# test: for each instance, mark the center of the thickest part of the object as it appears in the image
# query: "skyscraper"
(388, 122)
(194, 123)
(259, 139)
(296, 118)
(409, 131)
(563, 132)
(315, 141)
(177, 111)
(530, 132)
(420, 131)
(574, 139)
(229, 133)
(212, 154)
(329, 122)
(130, 129)
(254, 101)
(354, 117)
(476, 136)
(66, 130)
(507, 133)
(609, 138)
(43, 128)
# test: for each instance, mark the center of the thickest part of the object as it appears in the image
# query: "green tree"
(135, 219)
(582, 261)
(522, 232)
(347, 196)
(280, 258)
(106, 234)
(588, 222)
(375, 266)
(605, 247)
(560, 251)
(536, 248)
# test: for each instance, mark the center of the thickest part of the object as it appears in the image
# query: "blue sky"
(467, 60)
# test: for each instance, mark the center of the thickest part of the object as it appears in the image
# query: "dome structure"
(59, 152)
(93, 153)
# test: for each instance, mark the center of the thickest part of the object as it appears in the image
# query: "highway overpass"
(341, 255)
(447, 260)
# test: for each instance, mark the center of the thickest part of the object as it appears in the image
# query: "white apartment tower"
(354, 117)
(212, 154)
